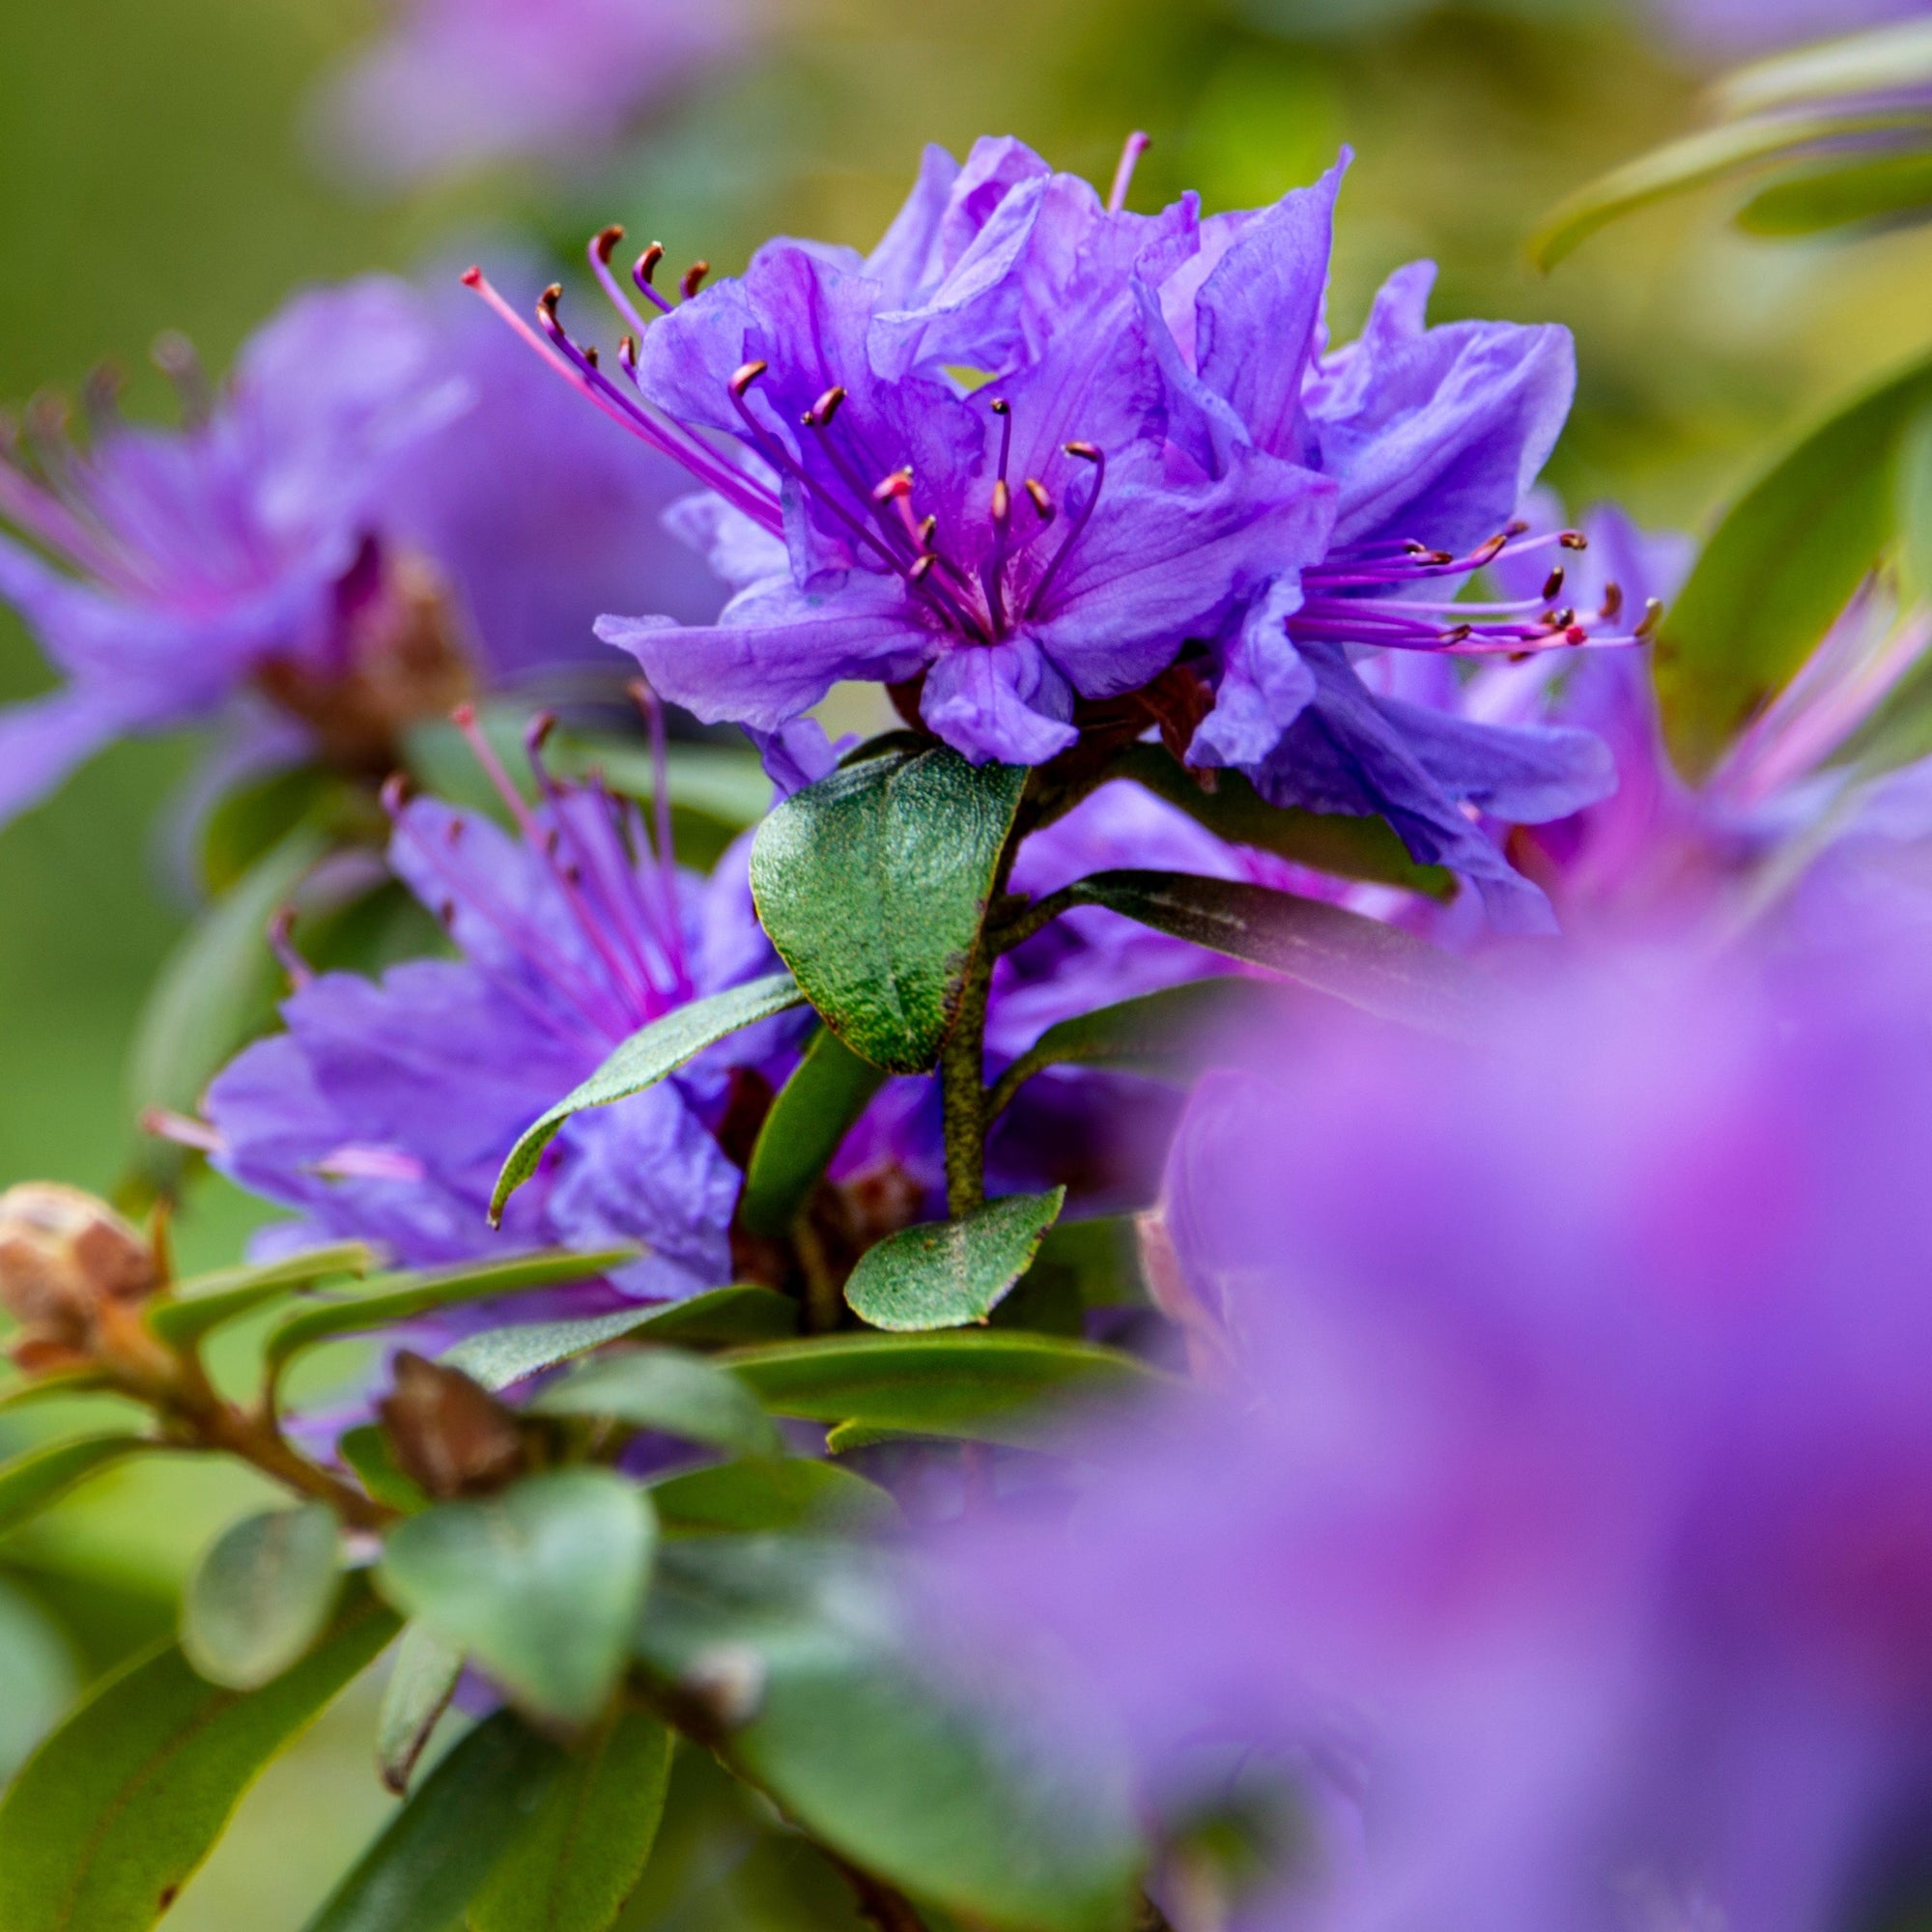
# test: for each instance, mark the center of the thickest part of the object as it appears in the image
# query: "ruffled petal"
(1003, 702)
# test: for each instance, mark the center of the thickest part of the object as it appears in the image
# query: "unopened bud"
(68, 1262)
(727, 1682)
(449, 1436)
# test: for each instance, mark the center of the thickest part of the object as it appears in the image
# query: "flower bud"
(68, 1264)
(449, 1436)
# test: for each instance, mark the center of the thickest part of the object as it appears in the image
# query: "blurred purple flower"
(1563, 1522)
(382, 511)
(1736, 27)
(458, 84)
(1035, 453)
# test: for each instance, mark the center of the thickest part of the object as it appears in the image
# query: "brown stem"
(962, 1074)
(879, 1904)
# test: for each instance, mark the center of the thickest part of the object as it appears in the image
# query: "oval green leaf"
(1379, 968)
(124, 1801)
(988, 1385)
(872, 884)
(540, 1585)
(815, 1109)
(944, 1274)
(41, 1476)
(199, 1306)
(422, 1679)
(1814, 199)
(761, 1495)
(435, 1852)
(575, 1866)
(261, 1596)
(650, 1056)
(667, 1390)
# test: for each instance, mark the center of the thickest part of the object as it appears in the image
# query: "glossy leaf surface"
(759, 1495)
(667, 1390)
(943, 1274)
(815, 1109)
(261, 1596)
(41, 1476)
(202, 1305)
(422, 1679)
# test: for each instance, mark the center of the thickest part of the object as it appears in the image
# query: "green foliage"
(944, 1274)
(987, 1385)
(121, 1805)
(872, 884)
(261, 1596)
(815, 1109)
(422, 1679)
(541, 1585)
(198, 1307)
(438, 1849)
(365, 1450)
(665, 1389)
(760, 1495)
(41, 1476)
(724, 1318)
(575, 1866)
(798, 1646)
(647, 1057)
(1377, 967)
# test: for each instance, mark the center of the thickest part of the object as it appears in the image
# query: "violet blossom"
(1559, 1529)
(1037, 456)
(456, 84)
(1738, 27)
(377, 515)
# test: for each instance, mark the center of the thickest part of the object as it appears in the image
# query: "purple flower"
(1560, 1525)
(1036, 452)
(1760, 26)
(381, 512)
(461, 83)
(385, 1109)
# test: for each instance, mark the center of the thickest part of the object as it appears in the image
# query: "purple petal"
(1003, 702)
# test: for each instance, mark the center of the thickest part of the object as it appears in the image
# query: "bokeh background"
(159, 168)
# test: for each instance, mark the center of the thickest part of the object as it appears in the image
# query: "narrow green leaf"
(575, 1866)
(872, 884)
(1782, 567)
(365, 1451)
(124, 1801)
(931, 1790)
(261, 1596)
(764, 1495)
(41, 1476)
(422, 1679)
(647, 1057)
(38, 1676)
(815, 1111)
(202, 1304)
(401, 1298)
(1712, 155)
(541, 1585)
(30, 1390)
(944, 1274)
(438, 1850)
(1377, 967)
(1349, 847)
(667, 1390)
(1815, 200)
(1870, 63)
(723, 1318)
(990, 1385)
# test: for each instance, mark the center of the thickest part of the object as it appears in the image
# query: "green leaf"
(989, 1386)
(647, 1057)
(261, 1596)
(1377, 967)
(766, 1494)
(943, 1274)
(250, 820)
(401, 1298)
(218, 988)
(38, 1679)
(715, 793)
(574, 1867)
(124, 1801)
(1817, 199)
(540, 1585)
(1780, 568)
(438, 1850)
(366, 1451)
(723, 1318)
(61, 1386)
(1870, 63)
(872, 884)
(422, 1679)
(665, 1389)
(202, 1304)
(815, 1109)
(1335, 842)
(933, 1791)
(41, 1476)
(1697, 160)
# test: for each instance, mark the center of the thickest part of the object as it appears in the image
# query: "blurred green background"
(152, 175)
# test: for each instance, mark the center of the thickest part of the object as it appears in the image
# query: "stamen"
(1087, 452)
(819, 415)
(647, 702)
(1573, 539)
(172, 354)
(1652, 617)
(693, 279)
(600, 245)
(164, 1124)
(281, 943)
(1613, 602)
(641, 272)
(1037, 491)
(1553, 586)
(464, 718)
(1136, 146)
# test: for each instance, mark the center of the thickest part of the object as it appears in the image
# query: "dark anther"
(646, 265)
(825, 407)
(1517, 529)
(395, 792)
(590, 354)
(1042, 502)
(1000, 406)
(1653, 615)
(1460, 635)
(692, 278)
(1613, 602)
(1574, 540)
(1563, 621)
(927, 526)
(1553, 584)
(627, 351)
(898, 484)
(1488, 553)
(1003, 501)
(607, 240)
(547, 303)
(921, 567)
(745, 375)
(1087, 452)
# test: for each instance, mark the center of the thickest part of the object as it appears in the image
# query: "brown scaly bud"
(71, 1273)
(449, 1436)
